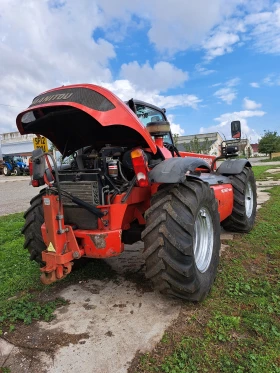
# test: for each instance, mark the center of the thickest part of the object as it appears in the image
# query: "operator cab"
(148, 113)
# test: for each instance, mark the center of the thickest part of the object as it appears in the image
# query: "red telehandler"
(128, 182)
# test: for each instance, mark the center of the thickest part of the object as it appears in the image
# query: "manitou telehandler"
(127, 182)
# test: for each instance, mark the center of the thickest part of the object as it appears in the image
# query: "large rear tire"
(6, 171)
(244, 204)
(34, 218)
(182, 240)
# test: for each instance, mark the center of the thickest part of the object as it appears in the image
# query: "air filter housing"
(158, 129)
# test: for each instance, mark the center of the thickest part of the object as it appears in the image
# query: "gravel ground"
(15, 194)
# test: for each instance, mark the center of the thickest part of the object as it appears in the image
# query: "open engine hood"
(75, 116)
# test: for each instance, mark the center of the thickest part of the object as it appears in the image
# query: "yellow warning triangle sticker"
(51, 248)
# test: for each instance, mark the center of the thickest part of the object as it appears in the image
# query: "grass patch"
(19, 279)
(237, 328)
(5, 370)
(274, 159)
(261, 173)
(21, 291)
(17, 272)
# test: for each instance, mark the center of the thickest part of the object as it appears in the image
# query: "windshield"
(18, 159)
(147, 114)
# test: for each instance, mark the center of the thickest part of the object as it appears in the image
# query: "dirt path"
(105, 323)
(15, 194)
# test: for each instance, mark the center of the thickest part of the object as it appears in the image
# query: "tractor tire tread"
(238, 220)
(168, 239)
(34, 218)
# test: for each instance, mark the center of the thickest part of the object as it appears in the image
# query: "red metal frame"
(65, 244)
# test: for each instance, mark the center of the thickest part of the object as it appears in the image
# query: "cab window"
(147, 114)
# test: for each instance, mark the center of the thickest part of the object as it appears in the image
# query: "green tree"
(175, 139)
(206, 146)
(187, 147)
(195, 145)
(269, 143)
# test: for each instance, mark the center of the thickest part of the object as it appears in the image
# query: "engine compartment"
(97, 177)
(110, 168)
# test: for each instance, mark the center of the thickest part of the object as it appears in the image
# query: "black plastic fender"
(174, 170)
(233, 166)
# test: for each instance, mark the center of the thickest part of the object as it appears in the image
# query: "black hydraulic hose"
(87, 206)
(172, 148)
(94, 210)
(129, 190)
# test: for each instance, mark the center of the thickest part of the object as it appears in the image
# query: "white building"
(13, 143)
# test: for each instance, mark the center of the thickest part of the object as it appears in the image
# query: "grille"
(75, 215)
(85, 96)
(85, 190)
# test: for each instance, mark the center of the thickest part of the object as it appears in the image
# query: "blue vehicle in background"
(14, 165)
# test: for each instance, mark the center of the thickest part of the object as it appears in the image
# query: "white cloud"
(45, 46)
(160, 77)
(226, 94)
(255, 85)
(219, 43)
(126, 90)
(232, 82)
(203, 70)
(172, 25)
(264, 29)
(224, 121)
(271, 80)
(250, 104)
(175, 128)
(178, 25)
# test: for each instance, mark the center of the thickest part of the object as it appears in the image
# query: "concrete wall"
(213, 137)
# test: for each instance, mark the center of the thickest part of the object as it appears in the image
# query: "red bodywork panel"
(121, 114)
(224, 196)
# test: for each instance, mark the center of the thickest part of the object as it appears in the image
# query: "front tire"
(34, 218)
(182, 240)
(244, 210)
(17, 171)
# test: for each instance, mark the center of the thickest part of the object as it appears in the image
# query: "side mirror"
(236, 129)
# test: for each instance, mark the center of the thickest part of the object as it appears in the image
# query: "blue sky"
(206, 63)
